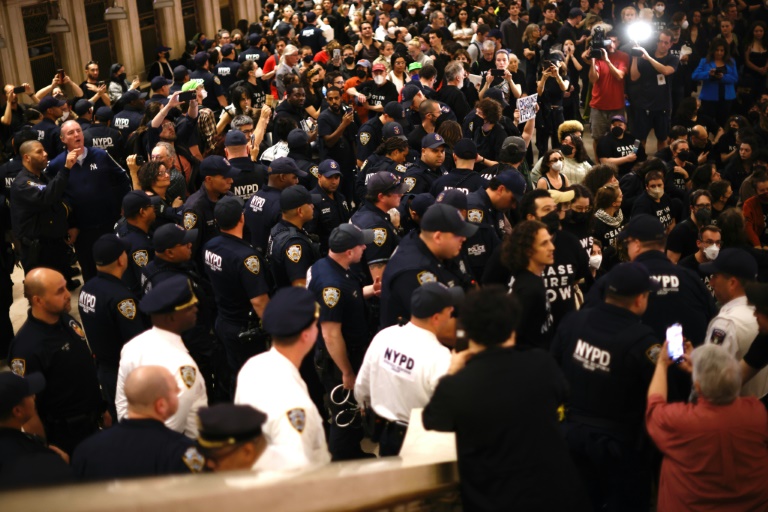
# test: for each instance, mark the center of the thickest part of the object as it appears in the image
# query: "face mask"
(711, 252)
(557, 166)
(204, 94)
(685, 24)
(407, 37)
(703, 217)
(617, 131)
(685, 156)
(595, 261)
(566, 150)
(349, 60)
(64, 115)
(379, 79)
(659, 9)
(391, 31)
(122, 76)
(579, 217)
(552, 221)
(656, 193)
(360, 73)
(412, 11)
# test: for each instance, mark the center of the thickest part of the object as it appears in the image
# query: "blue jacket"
(710, 87)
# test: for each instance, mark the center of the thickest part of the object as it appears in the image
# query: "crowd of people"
(302, 229)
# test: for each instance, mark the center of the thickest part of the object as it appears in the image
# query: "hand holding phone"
(20, 89)
(675, 345)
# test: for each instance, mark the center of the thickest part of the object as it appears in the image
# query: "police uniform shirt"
(571, 265)
(107, 138)
(400, 371)
(84, 123)
(385, 238)
(608, 357)
(251, 178)
(198, 214)
(340, 295)
(343, 151)
(419, 177)
(164, 348)
(329, 214)
(49, 134)
(313, 37)
(212, 85)
(127, 120)
(306, 164)
(291, 253)
(484, 242)
(294, 428)
(226, 71)
(368, 138)
(463, 180)
(136, 448)
(26, 461)
(164, 210)
(236, 273)
(61, 353)
(141, 252)
(374, 164)
(110, 316)
(39, 208)
(262, 212)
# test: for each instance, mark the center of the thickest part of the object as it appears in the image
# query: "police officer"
(422, 360)
(271, 382)
(161, 88)
(291, 251)
(311, 35)
(443, 231)
(384, 192)
(422, 174)
(226, 70)
(109, 312)
(84, 111)
(53, 343)
(391, 156)
(238, 277)
(262, 211)
(39, 213)
(218, 176)
(608, 356)
(172, 307)
(101, 135)
(344, 331)
(128, 119)
(301, 152)
(252, 176)
(140, 445)
(215, 100)
(180, 77)
(139, 215)
(369, 136)
(253, 53)
(231, 436)
(47, 130)
(462, 177)
(333, 209)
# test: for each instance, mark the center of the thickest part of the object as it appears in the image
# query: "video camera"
(598, 42)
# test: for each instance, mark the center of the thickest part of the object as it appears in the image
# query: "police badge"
(19, 367)
(298, 419)
(653, 353)
(379, 236)
(190, 219)
(331, 296)
(188, 374)
(426, 277)
(365, 138)
(252, 264)
(141, 258)
(313, 171)
(411, 182)
(294, 253)
(475, 216)
(76, 327)
(718, 336)
(401, 168)
(193, 460)
(127, 308)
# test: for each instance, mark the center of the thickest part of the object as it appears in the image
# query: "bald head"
(150, 391)
(38, 281)
(701, 131)
(29, 147)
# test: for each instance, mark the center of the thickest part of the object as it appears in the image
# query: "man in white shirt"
(271, 382)
(403, 364)
(172, 307)
(735, 326)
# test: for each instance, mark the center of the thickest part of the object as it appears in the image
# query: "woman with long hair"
(574, 68)
(718, 74)
(312, 80)
(240, 103)
(552, 177)
(531, 56)
(463, 28)
(551, 89)
(756, 58)
(730, 38)
(155, 179)
(608, 222)
(504, 82)
(399, 74)
(487, 133)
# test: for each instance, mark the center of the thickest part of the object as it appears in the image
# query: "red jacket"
(754, 220)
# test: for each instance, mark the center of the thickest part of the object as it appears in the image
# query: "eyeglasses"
(711, 242)
(581, 209)
(706, 206)
(163, 173)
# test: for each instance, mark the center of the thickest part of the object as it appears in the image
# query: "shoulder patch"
(141, 258)
(19, 366)
(410, 181)
(365, 138)
(425, 277)
(718, 336)
(653, 353)
(313, 171)
(190, 219)
(252, 264)
(76, 327)
(331, 296)
(216, 79)
(39, 186)
(188, 375)
(298, 419)
(294, 253)
(400, 168)
(193, 460)
(379, 236)
(127, 308)
(475, 216)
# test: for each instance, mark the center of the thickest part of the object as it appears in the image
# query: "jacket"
(754, 223)
(710, 87)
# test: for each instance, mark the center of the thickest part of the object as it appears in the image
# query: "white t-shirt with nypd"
(400, 371)
(271, 383)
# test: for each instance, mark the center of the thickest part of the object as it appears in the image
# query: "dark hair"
(731, 223)
(292, 87)
(598, 176)
(26, 134)
(391, 144)
(716, 43)
(283, 126)
(759, 176)
(678, 131)
(148, 174)
(528, 203)
(718, 188)
(490, 315)
(696, 194)
(515, 249)
(491, 110)
(236, 95)
(606, 196)
(687, 109)
(545, 168)
(580, 191)
(428, 72)
(653, 175)
(702, 176)
(451, 132)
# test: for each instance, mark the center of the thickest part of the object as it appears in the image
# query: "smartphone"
(60, 72)
(20, 89)
(636, 146)
(188, 96)
(721, 70)
(675, 347)
(337, 53)
(100, 83)
(497, 72)
(462, 341)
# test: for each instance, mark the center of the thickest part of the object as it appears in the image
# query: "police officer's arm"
(129, 322)
(337, 348)
(377, 271)
(47, 195)
(191, 398)
(363, 380)
(296, 268)
(722, 331)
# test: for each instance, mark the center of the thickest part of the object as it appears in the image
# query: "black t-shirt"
(652, 90)
(536, 327)
(610, 147)
(690, 262)
(683, 238)
(661, 210)
(757, 355)
(378, 95)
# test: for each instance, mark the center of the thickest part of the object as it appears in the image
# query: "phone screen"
(20, 89)
(337, 53)
(675, 342)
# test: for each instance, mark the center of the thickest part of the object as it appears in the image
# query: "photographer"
(551, 88)
(606, 74)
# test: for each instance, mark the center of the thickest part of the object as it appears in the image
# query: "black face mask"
(349, 60)
(578, 217)
(552, 221)
(703, 216)
(361, 73)
(617, 131)
(686, 156)
(566, 150)
(122, 76)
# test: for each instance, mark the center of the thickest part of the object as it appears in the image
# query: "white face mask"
(659, 8)
(205, 94)
(379, 79)
(407, 37)
(391, 31)
(558, 166)
(685, 24)
(656, 193)
(711, 252)
(412, 11)
(595, 261)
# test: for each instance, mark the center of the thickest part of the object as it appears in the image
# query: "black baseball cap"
(215, 165)
(227, 211)
(49, 102)
(513, 181)
(329, 168)
(82, 107)
(348, 236)
(170, 235)
(629, 279)
(296, 196)
(733, 262)
(384, 182)
(297, 139)
(291, 310)
(573, 13)
(104, 114)
(408, 92)
(108, 248)
(132, 95)
(432, 141)
(466, 149)
(179, 72)
(172, 294)
(394, 110)
(223, 425)
(235, 138)
(496, 94)
(201, 58)
(227, 50)
(644, 228)
(15, 388)
(453, 197)
(134, 201)
(421, 202)
(159, 82)
(431, 298)
(285, 165)
(393, 129)
(447, 219)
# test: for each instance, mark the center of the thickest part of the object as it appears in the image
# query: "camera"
(139, 160)
(598, 42)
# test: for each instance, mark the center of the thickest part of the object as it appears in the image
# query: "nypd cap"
(227, 211)
(643, 227)
(630, 279)
(108, 248)
(228, 424)
(329, 168)
(285, 165)
(134, 201)
(173, 294)
(447, 219)
(14, 389)
(348, 236)
(431, 298)
(296, 196)
(215, 165)
(393, 129)
(170, 235)
(732, 262)
(291, 310)
(453, 197)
